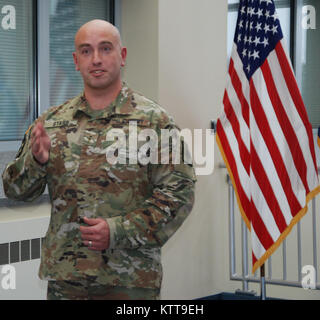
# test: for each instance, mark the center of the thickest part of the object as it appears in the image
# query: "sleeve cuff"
(113, 226)
(33, 164)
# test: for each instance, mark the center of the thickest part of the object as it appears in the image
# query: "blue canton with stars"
(257, 33)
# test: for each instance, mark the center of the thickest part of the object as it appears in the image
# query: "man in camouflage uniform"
(108, 221)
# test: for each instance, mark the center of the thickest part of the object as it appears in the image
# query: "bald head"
(99, 56)
(94, 27)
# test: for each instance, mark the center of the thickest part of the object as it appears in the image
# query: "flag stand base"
(262, 283)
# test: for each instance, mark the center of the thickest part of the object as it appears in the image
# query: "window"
(16, 68)
(36, 63)
(307, 53)
(303, 44)
(66, 17)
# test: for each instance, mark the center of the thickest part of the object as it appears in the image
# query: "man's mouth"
(97, 72)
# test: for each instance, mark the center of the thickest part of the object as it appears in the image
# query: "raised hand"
(40, 143)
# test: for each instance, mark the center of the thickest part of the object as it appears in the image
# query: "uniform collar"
(123, 104)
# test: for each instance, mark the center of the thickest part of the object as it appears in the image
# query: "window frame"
(40, 76)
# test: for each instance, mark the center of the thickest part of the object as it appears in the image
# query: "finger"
(88, 230)
(90, 237)
(35, 133)
(91, 222)
(40, 127)
(94, 245)
(36, 146)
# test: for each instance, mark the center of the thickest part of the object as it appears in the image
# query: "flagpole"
(262, 283)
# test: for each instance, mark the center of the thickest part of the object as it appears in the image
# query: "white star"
(251, 25)
(255, 54)
(275, 16)
(265, 42)
(259, 13)
(266, 28)
(258, 27)
(245, 39)
(248, 68)
(239, 37)
(240, 24)
(256, 40)
(243, 11)
(267, 14)
(244, 52)
(274, 29)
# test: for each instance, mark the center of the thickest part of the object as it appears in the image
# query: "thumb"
(91, 222)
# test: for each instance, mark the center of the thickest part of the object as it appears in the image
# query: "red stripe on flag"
(232, 117)
(245, 203)
(238, 88)
(296, 96)
(275, 154)
(266, 188)
(287, 129)
(260, 229)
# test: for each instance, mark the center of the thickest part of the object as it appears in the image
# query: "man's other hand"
(40, 143)
(97, 235)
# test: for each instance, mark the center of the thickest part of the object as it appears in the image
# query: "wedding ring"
(90, 244)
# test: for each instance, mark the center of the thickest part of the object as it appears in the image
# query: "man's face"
(99, 56)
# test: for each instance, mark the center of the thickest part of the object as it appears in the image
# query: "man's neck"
(101, 98)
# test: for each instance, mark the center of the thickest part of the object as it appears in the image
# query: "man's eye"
(106, 49)
(85, 51)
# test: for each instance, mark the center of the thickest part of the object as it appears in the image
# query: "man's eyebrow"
(83, 45)
(106, 42)
(88, 44)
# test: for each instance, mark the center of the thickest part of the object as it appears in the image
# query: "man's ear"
(75, 60)
(123, 56)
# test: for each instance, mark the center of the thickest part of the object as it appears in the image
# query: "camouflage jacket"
(144, 204)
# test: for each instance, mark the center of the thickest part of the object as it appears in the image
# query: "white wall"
(190, 41)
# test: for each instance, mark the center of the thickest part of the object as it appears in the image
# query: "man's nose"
(96, 59)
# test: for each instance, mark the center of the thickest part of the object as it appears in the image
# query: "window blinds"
(16, 69)
(66, 17)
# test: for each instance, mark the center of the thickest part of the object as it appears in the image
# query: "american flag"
(264, 134)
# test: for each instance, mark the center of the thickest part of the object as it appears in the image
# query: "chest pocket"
(61, 156)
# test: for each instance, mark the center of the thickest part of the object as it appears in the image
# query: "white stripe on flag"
(293, 116)
(243, 176)
(270, 169)
(257, 248)
(236, 106)
(279, 137)
(263, 208)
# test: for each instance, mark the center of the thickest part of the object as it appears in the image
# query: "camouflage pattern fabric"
(143, 204)
(88, 290)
